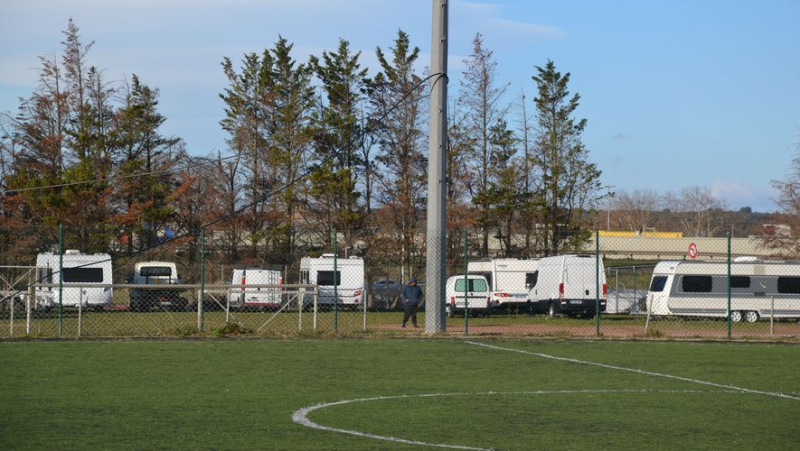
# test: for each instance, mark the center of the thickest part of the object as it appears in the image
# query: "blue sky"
(676, 93)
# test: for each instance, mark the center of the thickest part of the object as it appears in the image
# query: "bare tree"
(697, 210)
(636, 210)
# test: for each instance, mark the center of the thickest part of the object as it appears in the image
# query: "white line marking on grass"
(301, 416)
(637, 371)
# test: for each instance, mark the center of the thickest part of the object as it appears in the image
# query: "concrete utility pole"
(437, 176)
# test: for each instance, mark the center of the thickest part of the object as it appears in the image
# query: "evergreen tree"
(570, 181)
(397, 115)
(333, 182)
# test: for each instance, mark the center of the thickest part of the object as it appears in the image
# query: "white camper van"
(78, 268)
(509, 279)
(162, 274)
(568, 284)
(700, 289)
(242, 295)
(348, 279)
(472, 292)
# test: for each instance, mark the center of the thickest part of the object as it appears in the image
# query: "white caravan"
(348, 279)
(569, 284)
(471, 291)
(77, 268)
(243, 294)
(700, 289)
(509, 279)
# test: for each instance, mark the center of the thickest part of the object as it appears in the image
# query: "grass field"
(398, 394)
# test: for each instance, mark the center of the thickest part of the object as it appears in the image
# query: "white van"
(78, 268)
(162, 274)
(569, 284)
(758, 289)
(510, 279)
(242, 295)
(471, 291)
(348, 280)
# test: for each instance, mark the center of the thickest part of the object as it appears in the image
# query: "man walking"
(412, 297)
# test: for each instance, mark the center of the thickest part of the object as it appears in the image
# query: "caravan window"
(789, 285)
(696, 284)
(326, 278)
(740, 282)
(658, 283)
(474, 285)
(530, 279)
(156, 271)
(44, 275)
(83, 275)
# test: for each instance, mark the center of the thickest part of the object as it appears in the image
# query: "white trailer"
(85, 270)
(569, 284)
(758, 289)
(510, 279)
(248, 290)
(348, 279)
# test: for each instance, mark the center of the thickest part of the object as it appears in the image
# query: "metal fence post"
(29, 309)
(729, 285)
(466, 285)
(202, 280)
(772, 316)
(597, 281)
(335, 285)
(60, 276)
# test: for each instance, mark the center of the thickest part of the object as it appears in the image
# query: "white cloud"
(742, 194)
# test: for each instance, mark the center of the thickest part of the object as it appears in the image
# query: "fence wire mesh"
(609, 286)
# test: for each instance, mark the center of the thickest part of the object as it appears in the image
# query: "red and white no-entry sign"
(692, 250)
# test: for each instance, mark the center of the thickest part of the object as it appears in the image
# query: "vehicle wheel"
(551, 310)
(751, 317)
(736, 316)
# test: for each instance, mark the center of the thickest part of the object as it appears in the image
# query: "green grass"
(241, 394)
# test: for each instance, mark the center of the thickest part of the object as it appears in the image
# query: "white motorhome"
(348, 279)
(509, 279)
(243, 293)
(569, 284)
(77, 268)
(700, 289)
(471, 291)
(160, 273)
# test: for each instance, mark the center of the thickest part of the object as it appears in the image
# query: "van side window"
(658, 283)
(696, 284)
(789, 285)
(530, 279)
(740, 281)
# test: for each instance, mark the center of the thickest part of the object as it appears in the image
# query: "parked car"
(386, 293)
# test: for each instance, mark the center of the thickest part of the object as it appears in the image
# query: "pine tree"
(570, 181)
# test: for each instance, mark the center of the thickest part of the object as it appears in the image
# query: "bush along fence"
(605, 286)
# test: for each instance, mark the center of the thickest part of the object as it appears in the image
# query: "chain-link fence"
(610, 286)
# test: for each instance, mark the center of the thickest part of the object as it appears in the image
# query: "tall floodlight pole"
(437, 176)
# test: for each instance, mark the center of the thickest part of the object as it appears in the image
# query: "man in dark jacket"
(412, 297)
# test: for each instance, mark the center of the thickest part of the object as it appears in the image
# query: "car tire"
(736, 316)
